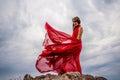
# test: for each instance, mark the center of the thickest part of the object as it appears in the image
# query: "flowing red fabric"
(61, 53)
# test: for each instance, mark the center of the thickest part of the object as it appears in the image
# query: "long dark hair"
(76, 19)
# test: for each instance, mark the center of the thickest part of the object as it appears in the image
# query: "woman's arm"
(80, 31)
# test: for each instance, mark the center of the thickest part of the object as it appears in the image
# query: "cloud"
(22, 32)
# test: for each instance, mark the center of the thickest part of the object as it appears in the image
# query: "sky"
(22, 33)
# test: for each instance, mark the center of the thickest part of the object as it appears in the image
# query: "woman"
(62, 51)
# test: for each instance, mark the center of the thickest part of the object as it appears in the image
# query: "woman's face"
(75, 23)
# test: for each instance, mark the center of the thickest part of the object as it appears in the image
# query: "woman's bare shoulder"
(80, 28)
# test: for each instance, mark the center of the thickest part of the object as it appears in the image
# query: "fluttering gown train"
(61, 52)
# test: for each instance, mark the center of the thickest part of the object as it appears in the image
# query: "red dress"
(61, 53)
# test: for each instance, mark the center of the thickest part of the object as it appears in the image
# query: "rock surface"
(65, 76)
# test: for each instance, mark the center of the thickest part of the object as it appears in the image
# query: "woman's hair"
(76, 19)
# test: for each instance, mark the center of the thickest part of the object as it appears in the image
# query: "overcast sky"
(22, 33)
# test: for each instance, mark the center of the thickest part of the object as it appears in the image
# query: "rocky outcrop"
(65, 76)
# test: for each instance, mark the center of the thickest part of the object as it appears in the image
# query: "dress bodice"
(75, 31)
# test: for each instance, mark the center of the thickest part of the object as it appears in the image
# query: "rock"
(87, 77)
(100, 78)
(65, 76)
(28, 77)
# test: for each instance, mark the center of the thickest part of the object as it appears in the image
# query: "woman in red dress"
(61, 50)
